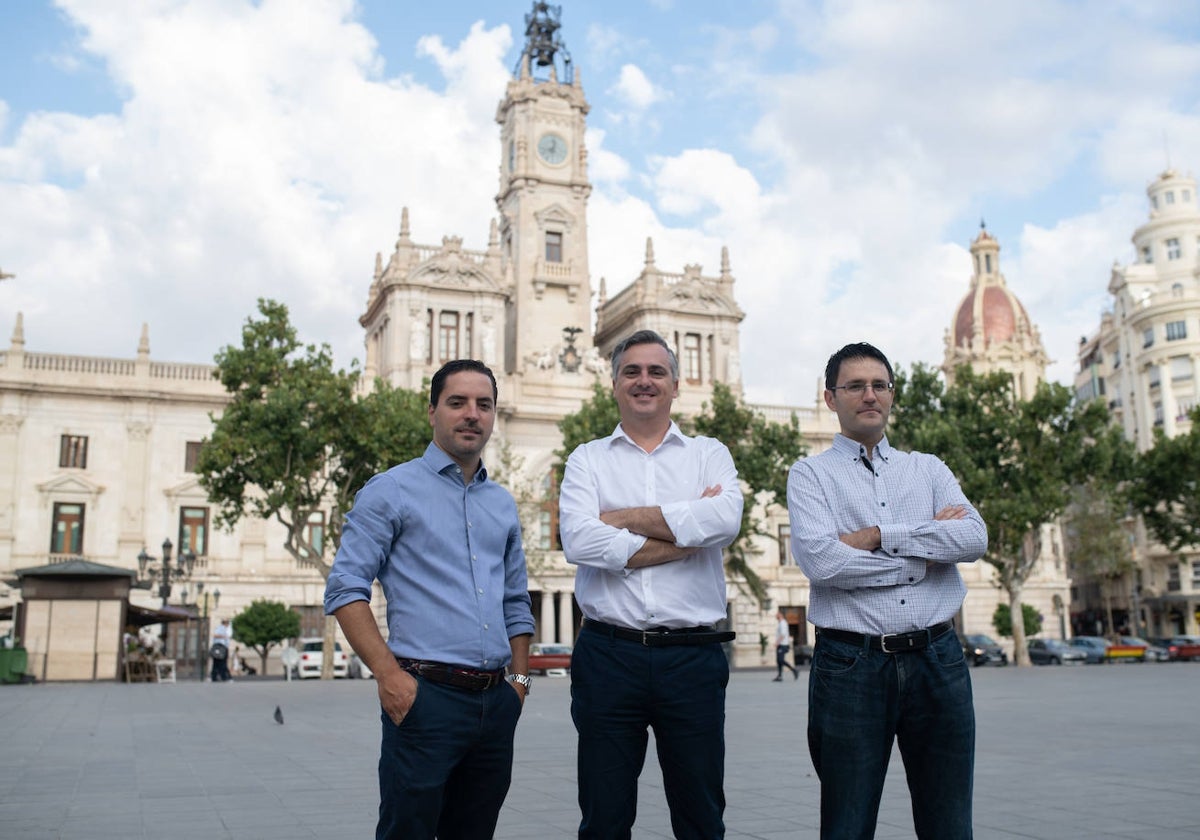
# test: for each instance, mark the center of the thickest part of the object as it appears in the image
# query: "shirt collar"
(673, 433)
(440, 462)
(852, 449)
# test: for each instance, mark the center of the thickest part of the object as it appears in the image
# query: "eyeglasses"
(857, 389)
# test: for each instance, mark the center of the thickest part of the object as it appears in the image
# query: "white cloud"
(635, 89)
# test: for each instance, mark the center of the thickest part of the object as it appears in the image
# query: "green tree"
(1017, 460)
(294, 443)
(762, 450)
(1166, 487)
(1002, 620)
(264, 624)
(1098, 546)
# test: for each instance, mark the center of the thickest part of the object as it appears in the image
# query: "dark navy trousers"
(445, 770)
(621, 689)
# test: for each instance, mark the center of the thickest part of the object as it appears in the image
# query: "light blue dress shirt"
(895, 588)
(448, 556)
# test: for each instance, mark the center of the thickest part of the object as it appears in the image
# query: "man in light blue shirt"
(445, 544)
(879, 533)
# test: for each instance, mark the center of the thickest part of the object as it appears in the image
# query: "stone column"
(566, 618)
(545, 625)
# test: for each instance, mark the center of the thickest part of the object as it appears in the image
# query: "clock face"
(552, 148)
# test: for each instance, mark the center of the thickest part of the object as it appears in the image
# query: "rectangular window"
(1148, 337)
(447, 336)
(1181, 368)
(1196, 574)
(785, 545)
(1176, 330)
(191, 455)
(468, 329)
(1170, 197)
(554, 246)
(1187, 196)
(429, 325)
(314, 532)
(66, 530)
(72, 451)
(548, 536)
(1173, 577)
(1173, 251)
(193, 530)
(1158, 414)
(1147, 254)
(312, 619)
(691, 358)
(1153, 375)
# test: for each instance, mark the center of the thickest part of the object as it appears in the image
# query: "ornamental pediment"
(187, 489)
(699, 297)
(71, 486)
(555, 216)
(451, 267)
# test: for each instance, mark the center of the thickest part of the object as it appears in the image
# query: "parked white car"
(310, 658)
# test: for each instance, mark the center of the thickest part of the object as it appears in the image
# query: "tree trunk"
(1108, 599)
(1017, 613)
(328, 648)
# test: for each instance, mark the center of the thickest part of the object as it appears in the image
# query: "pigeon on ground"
(278, 715)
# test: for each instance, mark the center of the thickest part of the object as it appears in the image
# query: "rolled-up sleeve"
(371, 527)
(714, 521)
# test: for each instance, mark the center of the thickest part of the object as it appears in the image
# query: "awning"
(143, 616)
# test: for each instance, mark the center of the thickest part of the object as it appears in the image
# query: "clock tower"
(543, 204)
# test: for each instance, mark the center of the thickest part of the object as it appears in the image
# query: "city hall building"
(97, 455)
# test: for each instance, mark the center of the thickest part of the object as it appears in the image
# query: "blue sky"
(169, 161)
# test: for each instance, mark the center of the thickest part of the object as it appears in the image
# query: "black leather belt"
(662, 636)
(893, 642)
(440, 672)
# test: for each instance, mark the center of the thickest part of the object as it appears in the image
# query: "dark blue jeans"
(619, 690)
(859, 702)
(445, 770)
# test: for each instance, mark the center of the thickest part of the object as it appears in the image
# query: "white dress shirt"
(614, 473)
(910, 581)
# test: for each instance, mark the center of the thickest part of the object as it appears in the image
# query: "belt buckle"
(645, 638)
(883, 643)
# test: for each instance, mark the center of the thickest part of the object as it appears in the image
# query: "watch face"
(552, 148)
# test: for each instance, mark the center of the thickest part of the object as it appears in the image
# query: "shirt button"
(486, 627)
(910, 580)
(473, 558)
(901, 600)
(480, 591)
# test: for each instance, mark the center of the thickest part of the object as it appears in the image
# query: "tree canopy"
(1166, 488)
(264, 624)
(1017, 460)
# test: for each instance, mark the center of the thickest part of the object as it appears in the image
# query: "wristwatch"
(523, 679)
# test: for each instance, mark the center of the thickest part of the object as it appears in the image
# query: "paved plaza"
(1083, 752)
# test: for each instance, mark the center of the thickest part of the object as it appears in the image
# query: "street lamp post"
(202, 631)
(182, 570)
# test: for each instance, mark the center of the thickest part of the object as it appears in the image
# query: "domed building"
(991, 330)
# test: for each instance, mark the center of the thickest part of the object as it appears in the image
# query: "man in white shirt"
(222, 636)
(645, 514)
(783, 643)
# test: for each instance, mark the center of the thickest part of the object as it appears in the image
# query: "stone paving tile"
(1062, 754)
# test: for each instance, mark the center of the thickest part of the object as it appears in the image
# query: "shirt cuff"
(679, 518)
(621, 549)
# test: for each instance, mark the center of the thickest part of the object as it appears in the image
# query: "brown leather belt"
(662, 636)
(893, 642)
(452, 675)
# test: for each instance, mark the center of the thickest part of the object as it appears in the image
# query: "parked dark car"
(1180, 648)
(984, 650)
(1096, 648)
(1054, 652)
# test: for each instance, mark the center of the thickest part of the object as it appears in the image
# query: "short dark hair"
(458, 366)
(860, 350)
(643, 337)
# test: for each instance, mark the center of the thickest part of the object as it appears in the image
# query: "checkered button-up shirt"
(911, 581)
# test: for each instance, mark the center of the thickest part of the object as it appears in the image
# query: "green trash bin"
(13, 662)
